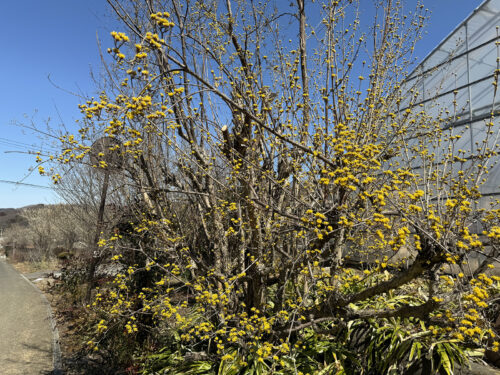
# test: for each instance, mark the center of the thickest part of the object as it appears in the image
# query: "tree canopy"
(286, 206)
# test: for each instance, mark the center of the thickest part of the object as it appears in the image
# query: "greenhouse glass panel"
(481, 26)
(456, 80)
(482, 62)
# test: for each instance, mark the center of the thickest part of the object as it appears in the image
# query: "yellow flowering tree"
(274, 176)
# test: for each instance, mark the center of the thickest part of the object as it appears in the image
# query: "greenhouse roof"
(455, 82)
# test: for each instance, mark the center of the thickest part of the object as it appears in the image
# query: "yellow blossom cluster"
(162, 19)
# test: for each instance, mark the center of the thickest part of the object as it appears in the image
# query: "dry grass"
(30, 267)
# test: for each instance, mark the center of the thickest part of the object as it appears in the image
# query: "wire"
(26, 184)
(23, 145)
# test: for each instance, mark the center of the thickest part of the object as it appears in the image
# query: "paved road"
(25, 330)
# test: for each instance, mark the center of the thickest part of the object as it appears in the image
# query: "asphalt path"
(26, 336)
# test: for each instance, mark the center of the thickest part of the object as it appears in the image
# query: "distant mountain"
(10, 216)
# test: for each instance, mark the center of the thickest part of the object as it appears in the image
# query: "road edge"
(56, 349)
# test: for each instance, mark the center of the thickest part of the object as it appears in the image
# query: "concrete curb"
(56, 349)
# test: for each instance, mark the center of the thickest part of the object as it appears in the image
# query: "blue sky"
(58, 38)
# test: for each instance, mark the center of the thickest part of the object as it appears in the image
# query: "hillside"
(9, 216)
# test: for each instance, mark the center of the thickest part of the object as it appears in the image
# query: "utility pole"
(102, 157)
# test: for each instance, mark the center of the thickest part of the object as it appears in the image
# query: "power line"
(3, 139)
(23, 145)
(25, 184)
(53, 188)
(11, 142)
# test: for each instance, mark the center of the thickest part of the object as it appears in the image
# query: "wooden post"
(95, 246)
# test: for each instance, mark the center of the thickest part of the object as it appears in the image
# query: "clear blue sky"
(58, 38)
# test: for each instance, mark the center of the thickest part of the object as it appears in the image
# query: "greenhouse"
(456, 81)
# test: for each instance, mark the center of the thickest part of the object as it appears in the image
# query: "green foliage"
(391, 347)
(386, 347)
(167, 361)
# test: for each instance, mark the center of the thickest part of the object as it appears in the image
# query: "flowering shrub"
(282, 194)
